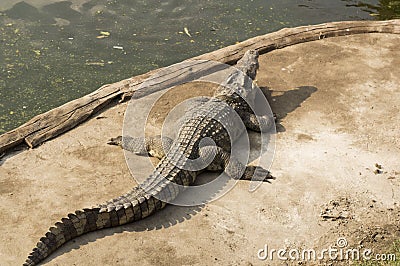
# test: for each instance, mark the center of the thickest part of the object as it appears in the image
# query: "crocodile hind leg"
(232, 167)
(155, 146)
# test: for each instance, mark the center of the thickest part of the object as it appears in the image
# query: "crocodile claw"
(257, 173)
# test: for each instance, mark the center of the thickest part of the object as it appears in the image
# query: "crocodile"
(175, 171)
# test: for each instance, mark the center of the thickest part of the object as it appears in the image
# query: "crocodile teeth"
(119, 207)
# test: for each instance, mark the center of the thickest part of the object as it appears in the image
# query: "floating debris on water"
(103, 34)
(95, 64)
(186, 30)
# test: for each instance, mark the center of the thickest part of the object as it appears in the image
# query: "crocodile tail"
(76, 224)
(125, 209)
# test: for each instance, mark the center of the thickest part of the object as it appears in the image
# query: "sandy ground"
(337, 102)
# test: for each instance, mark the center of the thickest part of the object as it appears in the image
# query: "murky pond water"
(56, 51)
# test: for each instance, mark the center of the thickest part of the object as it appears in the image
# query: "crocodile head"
(249, 63)
(239, 83)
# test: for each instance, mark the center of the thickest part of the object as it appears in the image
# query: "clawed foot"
(257, 173)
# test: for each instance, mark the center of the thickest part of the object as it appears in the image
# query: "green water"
(53, 52)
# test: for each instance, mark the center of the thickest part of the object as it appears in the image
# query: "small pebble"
(377, 171)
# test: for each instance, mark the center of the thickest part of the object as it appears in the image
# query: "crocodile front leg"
(231, 166)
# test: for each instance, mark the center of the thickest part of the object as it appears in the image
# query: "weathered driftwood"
(63, 118)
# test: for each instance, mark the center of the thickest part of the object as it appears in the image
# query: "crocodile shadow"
(287, 102)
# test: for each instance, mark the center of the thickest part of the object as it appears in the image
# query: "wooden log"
(61, 119)
(291, 36)
(58, 120)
